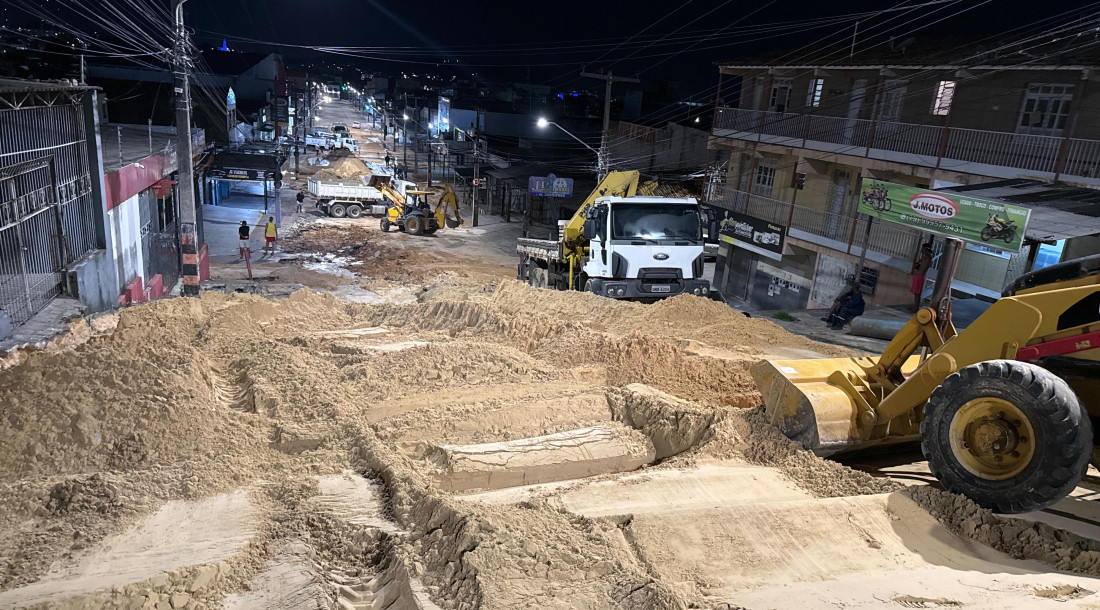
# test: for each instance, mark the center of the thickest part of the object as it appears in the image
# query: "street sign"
(282, 110)
(980, 221)
(549, 186)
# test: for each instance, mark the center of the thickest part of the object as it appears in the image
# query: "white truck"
(318, 141)
(350, 198)
(622, 246)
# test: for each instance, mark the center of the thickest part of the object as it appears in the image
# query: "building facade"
(801, 138)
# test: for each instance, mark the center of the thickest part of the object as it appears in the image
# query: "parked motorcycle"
(999, 228)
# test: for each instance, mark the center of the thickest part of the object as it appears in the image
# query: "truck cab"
(644, 247)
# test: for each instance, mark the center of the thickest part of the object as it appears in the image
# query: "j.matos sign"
(980, 221)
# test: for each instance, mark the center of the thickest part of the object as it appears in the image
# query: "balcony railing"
(844, 232)
(995, 153)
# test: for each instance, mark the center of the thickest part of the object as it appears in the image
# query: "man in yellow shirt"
(270, 233)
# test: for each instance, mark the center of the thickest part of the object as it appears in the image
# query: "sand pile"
(193, 399)
(1017, 538)
(683, 317)
(343, 168)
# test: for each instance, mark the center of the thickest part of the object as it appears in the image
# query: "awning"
(1057, 211)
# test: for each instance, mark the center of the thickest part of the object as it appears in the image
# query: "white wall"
(124, 231)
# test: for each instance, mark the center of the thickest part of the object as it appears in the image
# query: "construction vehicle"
(411, 211)
(350, 198)
(1003, 410)
(623, 244)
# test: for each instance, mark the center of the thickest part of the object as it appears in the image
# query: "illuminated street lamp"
(601, 161)
(405, 147)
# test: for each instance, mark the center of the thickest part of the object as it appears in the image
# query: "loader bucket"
(800, 400)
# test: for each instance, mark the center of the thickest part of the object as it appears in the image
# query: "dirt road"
(465, 441)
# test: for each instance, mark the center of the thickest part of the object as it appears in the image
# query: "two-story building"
(801, 136)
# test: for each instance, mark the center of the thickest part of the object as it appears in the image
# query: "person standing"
(242, 233)
(920, 267)
(270, 234)
(300, 198)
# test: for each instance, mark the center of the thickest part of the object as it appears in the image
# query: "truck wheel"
(337, 210)
(385, 224)
(354, 211)
(538, 277)
(1011, 436)
(414, 225)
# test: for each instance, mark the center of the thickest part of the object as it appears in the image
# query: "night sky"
(489, 37)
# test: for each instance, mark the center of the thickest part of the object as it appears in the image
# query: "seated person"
(846, 307)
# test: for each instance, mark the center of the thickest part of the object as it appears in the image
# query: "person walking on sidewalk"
(300, 197)
(920, 267)
(270, 234)
(242, 232)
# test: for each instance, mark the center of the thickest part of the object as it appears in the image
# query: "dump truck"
(622, 244)
(1003, 410)
(346, 198)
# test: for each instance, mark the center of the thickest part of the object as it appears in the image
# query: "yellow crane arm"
(615, 184)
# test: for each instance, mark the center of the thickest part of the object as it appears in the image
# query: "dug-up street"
(378, 420)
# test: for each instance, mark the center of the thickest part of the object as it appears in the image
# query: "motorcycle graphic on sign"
(999, 228)
(878, 198)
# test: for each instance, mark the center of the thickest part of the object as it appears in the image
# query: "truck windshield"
(655, 221)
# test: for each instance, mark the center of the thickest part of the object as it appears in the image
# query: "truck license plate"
(660, 288)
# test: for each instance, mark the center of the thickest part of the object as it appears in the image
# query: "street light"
(405, 145)
(601, 162)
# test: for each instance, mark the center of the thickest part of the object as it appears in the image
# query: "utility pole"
(405, 144)
(608, 79)
(477, 166)
(188, 234)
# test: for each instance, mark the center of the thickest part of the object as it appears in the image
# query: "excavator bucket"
(807, 401)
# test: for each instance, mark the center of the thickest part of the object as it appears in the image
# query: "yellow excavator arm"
(448, 204)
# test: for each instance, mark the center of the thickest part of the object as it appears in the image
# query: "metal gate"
(47, 211)
(31, 258)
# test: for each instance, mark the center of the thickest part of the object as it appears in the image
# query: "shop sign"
(754, 234)
(979, 221)
(549, 186)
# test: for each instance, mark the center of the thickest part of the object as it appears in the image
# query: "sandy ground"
(413, 429)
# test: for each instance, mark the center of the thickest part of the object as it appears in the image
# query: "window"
(781, 95)
(893, 94)
(813, 96)
(1045, 109)
(655, 221)
(765, 177)
(945, 94)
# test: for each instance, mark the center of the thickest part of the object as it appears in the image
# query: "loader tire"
(385, 225)
(414, 225)
(1009, 435)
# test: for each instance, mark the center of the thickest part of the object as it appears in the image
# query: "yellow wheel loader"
(1001, 410)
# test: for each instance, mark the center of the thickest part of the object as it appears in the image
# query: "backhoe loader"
(1003, 410)
(410, 211)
